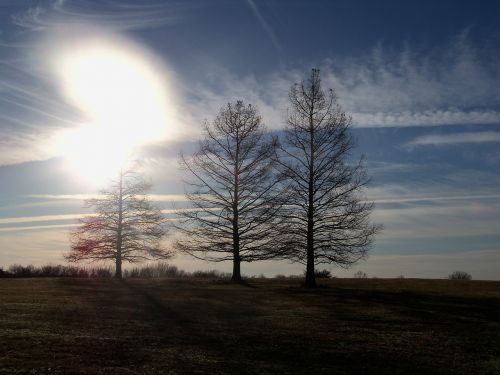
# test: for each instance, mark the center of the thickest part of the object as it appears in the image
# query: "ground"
(191, 326)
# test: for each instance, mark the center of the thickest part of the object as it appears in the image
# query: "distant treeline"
(17, 270)
(148, 271)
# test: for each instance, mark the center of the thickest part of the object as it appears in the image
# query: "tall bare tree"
(328, 220)
(232, 191)
(126, 227)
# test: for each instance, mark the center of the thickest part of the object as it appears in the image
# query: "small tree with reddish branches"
(125, 226)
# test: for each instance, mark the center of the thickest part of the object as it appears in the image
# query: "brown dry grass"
(375, 326)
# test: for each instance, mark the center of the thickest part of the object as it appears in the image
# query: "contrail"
(268, 29)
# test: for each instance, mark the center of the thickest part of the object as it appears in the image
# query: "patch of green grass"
(178, 326)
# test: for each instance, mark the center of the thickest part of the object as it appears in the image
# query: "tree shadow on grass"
(159, 335)
(193, 326)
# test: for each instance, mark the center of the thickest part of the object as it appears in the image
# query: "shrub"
(360, 275)
(101, 273)
(51, 271)
(154, 271)
(17, 270)
(459, 275)
(323, 274)
(288, 277)
(211, 274)
(4, 273)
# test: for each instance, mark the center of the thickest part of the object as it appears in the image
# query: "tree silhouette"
(125, 226)
(328, 221)
(232, 191)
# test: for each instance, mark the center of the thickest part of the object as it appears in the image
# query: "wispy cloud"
(457, 84)
(454, 189)
(37, 227)
(80, 197)
(450, 219)
(118, 16)
(66, 217)
(434, 198)
(31, 110)
(43, 218)
(426, 118)
(18, 147)
(455, 138)
(414, 213)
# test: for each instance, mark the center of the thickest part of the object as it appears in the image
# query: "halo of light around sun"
(122, 95)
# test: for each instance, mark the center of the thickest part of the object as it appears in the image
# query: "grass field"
(170, 326)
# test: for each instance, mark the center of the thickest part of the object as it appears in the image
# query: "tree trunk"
(236, 269)
(236, 229)
(310, 277)
(118, 272)
(236, 247)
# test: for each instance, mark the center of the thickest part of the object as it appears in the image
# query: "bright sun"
(123, 96)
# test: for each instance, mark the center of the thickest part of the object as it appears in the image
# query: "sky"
(79, 78)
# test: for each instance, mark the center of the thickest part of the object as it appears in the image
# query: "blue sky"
(420, 80)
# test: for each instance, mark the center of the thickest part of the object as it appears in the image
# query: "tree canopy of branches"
(125, 226)
(232, 191)
(328, 221)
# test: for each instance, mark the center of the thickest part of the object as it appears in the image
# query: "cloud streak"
(80, 197)
(117, 16)
(455, 138)
(434, 198)
(38, 227)
(43, 218)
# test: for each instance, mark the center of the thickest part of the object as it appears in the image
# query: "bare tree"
(125, 226)
(232, 191)
(328, 221)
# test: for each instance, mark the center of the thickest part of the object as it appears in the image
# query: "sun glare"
(122, 95)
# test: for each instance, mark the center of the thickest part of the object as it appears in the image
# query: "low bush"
(4, 273)
(154, 271)
(360, 275)
(211, 274)
(459, 275)
(323, 274)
